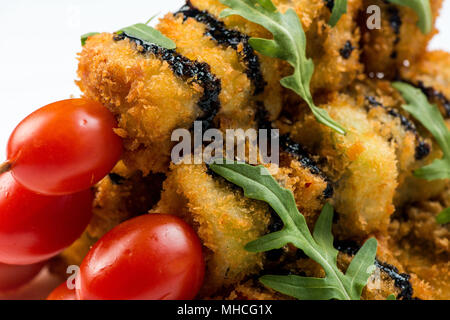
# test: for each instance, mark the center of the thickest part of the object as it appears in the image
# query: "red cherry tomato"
(65, 147)
(151, 257)
(35, 227)
(13, 277)
(62, 293)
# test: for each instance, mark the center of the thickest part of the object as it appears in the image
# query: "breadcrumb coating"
(148, 100)
(361, 164)
(397, 42)
(237, 90)
(324, 43)
(224, 219)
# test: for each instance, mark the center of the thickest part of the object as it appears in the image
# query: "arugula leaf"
(289, 44)
(85, 36)
(431, 118)
(391, 297)
(423, 10)
(339, 8)
(143, 32)
(148, 34)
(258, 184)
(444, 217)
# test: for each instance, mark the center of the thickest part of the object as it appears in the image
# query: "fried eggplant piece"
(335, 51)
(140, 87)
(120, 196)
(386, 50)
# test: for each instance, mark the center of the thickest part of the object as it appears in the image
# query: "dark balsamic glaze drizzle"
(401, 280)
(295, 149)
(187, 70)
(116, 179)
(422, 149)
(347, 50)
(217, 31)
(395, 22)
(329, 4)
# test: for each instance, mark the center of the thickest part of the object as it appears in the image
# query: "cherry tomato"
(62, 292)
(35, 227)
(64, 147)
(151, 257)
(13, 277)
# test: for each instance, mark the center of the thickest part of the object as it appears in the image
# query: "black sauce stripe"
(187, 70)
(422, 149)
(217, 31)
(401, 280)
(295, 149)
(395, 22)
(329, 4)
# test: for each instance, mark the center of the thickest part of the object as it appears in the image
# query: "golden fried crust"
(399, 39)
(144, 94)
(224, 219)
(361, 164)
(421, 245)
(120, 196)
(418, 225)
(237, 90)
(253, 290)
(308, 188)
(332, 70)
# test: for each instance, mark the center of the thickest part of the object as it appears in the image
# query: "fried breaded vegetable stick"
(361, 164)
(194, 39)
(151, 91)
(120, 196)
(335, 51)
(413, 146)
(399, 40)
(226, 221)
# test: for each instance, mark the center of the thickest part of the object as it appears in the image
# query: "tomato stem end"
(5, 167)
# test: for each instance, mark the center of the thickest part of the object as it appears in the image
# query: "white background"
(40, 39)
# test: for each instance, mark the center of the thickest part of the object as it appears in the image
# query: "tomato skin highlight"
(151, 257)
(35, 227)
(62, 292)
(14, 277)
(64, 147)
